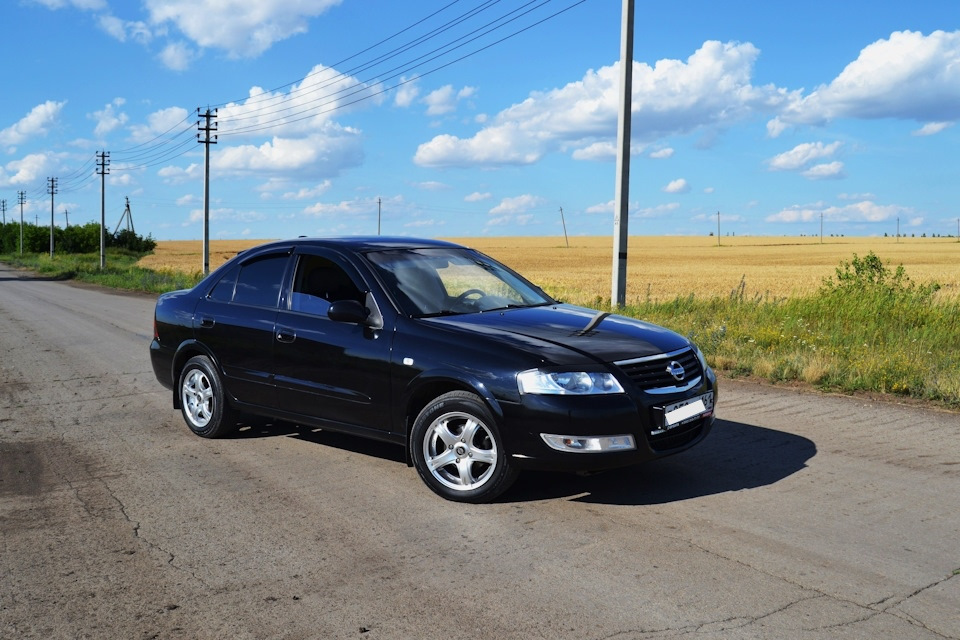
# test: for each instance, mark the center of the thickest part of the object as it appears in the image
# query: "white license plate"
(680, 412)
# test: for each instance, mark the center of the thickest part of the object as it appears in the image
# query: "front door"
(327, 370)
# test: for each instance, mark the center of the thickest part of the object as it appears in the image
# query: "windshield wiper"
(442, 312)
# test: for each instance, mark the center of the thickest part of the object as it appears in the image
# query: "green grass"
(867, 329)
(121, 271)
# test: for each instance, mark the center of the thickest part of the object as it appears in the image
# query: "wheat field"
(662, 268)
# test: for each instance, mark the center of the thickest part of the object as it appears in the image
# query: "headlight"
(579, 383)
(702, 358)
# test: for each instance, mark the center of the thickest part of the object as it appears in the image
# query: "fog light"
(589, 444)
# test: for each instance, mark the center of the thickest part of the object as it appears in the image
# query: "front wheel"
(203, 400)
(458, 451)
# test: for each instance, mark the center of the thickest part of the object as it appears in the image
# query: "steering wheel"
(462, 298)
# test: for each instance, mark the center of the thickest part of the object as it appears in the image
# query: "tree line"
(73, 239)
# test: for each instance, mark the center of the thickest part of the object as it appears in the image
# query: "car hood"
(602, 337)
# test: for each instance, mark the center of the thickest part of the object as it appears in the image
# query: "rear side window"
(223, 290)
(259, 281)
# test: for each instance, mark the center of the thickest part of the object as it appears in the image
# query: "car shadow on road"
(734, 457)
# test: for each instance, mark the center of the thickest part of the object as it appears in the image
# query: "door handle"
(286, 335)
(207, 323)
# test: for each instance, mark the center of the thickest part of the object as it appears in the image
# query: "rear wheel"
(203, 401)
(458, 451)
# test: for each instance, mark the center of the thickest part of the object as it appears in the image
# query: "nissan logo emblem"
(675, 369)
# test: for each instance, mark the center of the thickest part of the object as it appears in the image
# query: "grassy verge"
(121, 271)
(867, 329)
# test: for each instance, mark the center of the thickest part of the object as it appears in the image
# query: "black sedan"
(433, 346)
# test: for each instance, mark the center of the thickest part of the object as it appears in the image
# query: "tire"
(458, 451)
(203, 401)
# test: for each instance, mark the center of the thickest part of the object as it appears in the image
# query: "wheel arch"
(429, 386)
(187, 349)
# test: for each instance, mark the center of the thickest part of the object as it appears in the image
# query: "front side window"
(259, 281)
(445, 281)
(319, 282)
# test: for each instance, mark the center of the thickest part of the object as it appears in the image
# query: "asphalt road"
(802, 516)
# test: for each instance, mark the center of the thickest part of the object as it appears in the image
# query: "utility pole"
(3, 207)
(52, 190)
(564, 223)
(618, 294)
(378, 216)
(22, 197)
(206, 141)
(66, 214)
(103, 164)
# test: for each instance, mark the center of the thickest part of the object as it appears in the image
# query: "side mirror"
(348, 311)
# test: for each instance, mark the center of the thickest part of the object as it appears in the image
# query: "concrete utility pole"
(22, 198)
(3, 207)
(103, 164)
(52, 190)
(618, 293)
(206, 140)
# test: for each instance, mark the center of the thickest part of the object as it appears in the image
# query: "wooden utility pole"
(206, 141)
(103, 163)
(52, 190)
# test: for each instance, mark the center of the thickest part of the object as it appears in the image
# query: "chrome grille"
(651, 373)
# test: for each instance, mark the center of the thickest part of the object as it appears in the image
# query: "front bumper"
(597, 418)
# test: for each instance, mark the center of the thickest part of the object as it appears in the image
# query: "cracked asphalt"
(802, 516)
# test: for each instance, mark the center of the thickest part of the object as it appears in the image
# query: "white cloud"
(109, 118)
(517, 204)
(802, 154)
(476, 196)
(406, 93)
(932, 128)
(662, 153)
(36, 123)
(242, 29)
(909, 75)
(711, 88)
(324, 154)
(440, 101)
(597, 151)
(431, 185)
(309, 192)
(158, 123)
(29, 169)
(177, 56)
(677, 186)
(306, 107)
(863, 211)
(635, 210)
(826, 171)
(179, 175)
(124, 30)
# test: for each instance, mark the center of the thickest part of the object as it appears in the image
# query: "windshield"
(444, 281)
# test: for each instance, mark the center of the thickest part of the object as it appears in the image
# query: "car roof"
(359, 243)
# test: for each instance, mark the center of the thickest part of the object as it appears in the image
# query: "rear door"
(332, 371)
(236, 321)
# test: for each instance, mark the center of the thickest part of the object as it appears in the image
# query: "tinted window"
(259, 281)
(223, 290)
(318, 282)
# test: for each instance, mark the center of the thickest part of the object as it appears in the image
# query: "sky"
(470, 118)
